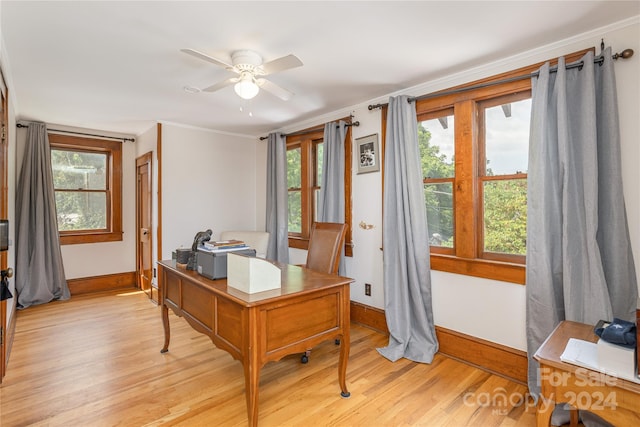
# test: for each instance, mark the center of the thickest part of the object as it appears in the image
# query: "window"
(502, 150)
(304, 177)
(87, 176)
(504, 142)
(474, 152)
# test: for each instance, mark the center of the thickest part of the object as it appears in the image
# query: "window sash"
(483, 179)
(87, 194)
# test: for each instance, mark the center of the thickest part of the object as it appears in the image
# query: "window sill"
(75, 239)
(495, 270)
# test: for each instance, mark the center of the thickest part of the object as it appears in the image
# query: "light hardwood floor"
(95, 361)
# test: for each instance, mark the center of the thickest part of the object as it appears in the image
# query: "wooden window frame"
(113, 150)
(483, 178)
(468, 258)
(429, 116)
(307, 140)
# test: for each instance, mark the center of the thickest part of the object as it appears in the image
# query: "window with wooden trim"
(474, 151)
(304, 178)
(87, 179)
(494, 209)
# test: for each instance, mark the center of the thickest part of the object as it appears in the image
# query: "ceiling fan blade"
(220, 85)
(274, 89)
(281, 64)
(206, 57)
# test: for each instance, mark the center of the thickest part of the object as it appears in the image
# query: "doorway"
(4, 182)
(144, 248)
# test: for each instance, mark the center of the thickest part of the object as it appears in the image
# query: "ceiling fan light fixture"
(250, 69)
(246, 87)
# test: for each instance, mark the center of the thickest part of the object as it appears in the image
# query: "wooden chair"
(325, 246)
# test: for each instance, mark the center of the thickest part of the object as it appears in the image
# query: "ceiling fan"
(250, 69)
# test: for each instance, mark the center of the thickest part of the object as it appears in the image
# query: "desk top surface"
(296, 280)
(550, 351)
(555, 344)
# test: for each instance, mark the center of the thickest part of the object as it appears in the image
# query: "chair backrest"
(325, 246)
(258, 240)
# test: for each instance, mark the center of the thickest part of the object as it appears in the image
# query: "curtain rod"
(356, 123)
(625, 54)
(20, 125)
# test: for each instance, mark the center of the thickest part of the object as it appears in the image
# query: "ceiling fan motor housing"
(246, 60)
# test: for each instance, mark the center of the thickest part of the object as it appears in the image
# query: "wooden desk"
(613, 399)
(258, 328)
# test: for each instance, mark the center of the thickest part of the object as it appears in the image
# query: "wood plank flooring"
(95, 361)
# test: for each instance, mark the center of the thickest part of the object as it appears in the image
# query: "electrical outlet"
(367, 289)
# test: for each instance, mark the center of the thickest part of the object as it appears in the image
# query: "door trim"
(145, 159)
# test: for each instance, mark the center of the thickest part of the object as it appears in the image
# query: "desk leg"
(251, 380)
(165, 323)
(345, 343)
(342, 366)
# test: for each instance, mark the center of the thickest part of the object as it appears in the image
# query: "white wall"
(261, 184)
(488, 309)
(208, 181)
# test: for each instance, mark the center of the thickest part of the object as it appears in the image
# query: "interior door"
(4, 142)
(143, 207)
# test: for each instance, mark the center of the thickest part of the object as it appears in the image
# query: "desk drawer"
(172, 286)
(229, 323)
(198, 304)
(294, 322)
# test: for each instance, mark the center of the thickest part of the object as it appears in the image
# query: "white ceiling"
(117, 66)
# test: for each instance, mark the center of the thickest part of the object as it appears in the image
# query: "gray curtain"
(579, 260)
(39, 270)
(407, 277)
(331, 195)
(277, 199)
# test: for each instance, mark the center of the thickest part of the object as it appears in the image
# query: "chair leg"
(305, 357)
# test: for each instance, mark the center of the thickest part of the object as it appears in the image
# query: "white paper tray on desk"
(585, 354)
(251, 275)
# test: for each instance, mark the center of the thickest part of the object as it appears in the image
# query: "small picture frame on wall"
(368, 154)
